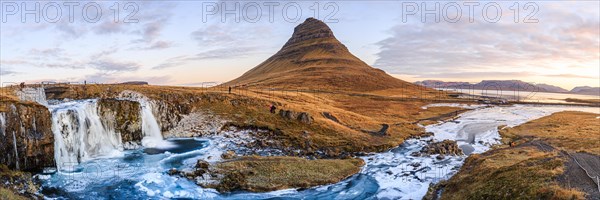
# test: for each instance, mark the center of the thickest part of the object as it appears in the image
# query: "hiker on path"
(229, 89)
(273, 108)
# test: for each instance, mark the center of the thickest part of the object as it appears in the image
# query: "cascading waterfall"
(150, 128)
(80, 135)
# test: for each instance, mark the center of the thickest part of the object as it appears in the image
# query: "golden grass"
(259, 174)
(525, 172)
(9, 194)
(571, 131)
(510, 173)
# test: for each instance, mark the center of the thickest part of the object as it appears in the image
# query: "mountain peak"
(311, 28)
(314, 58)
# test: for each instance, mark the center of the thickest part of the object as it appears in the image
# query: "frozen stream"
(136, 174)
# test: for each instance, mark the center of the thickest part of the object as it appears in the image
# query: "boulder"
(446, 147)
(287, 114)
(305, 118)
(301, 117)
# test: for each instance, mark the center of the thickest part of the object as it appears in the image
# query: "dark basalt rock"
(28, 127)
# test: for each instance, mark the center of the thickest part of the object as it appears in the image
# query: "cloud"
(13, 62)
(153, 20)
(51, 52)
(213, 54)
(475, 74)
(109, 26)
(226, 53)
(223, 41)
(58, 58)
(172, 62)
(570, 76)
(6, 72)
(463, 49)
(103, 77)
(160, 45)
(114, 66)
(228, 34)
(75, 65)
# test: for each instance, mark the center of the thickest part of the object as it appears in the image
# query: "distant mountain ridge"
(586, 90)
(313, 58)
(512, 85)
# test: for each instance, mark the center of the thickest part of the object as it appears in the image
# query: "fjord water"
(109, 172)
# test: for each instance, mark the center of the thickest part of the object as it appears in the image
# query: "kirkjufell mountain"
(314, 58)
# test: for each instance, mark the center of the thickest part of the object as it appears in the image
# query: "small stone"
(173, 172)
(201, 164)
(440, 157)
(415, 165)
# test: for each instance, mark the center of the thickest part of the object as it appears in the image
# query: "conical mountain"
(313, 58)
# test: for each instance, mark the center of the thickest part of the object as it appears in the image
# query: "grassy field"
(529, 168)
(510, 173)
(260, 174)
(571, 131)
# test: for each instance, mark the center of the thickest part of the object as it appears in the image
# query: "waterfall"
(79, 134)
(152, 134)
(150, 128)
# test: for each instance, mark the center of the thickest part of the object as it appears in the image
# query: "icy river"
(102, 169)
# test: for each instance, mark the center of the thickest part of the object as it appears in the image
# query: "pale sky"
(185, 43)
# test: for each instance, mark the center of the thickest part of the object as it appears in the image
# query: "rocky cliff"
(27, 141)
